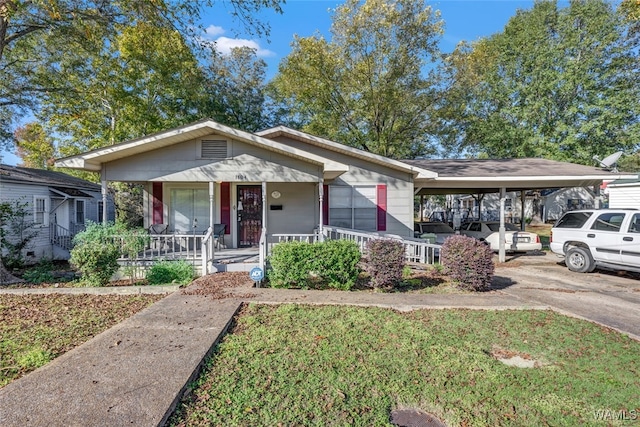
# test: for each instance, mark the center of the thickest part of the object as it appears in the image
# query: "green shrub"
(468, 262)
(95, 253)
(336, 262)
(164, 272)
(40, 273)
(333, 263)
(385, 262)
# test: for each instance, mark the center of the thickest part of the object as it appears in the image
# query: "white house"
(58, 205)
(283, 181)
(624, 193)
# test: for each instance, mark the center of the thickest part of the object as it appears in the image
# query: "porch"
(208, 257)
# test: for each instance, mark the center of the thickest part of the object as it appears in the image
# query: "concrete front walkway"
(135, 373)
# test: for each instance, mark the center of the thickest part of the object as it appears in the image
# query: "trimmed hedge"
(468, 262)
(333, 264)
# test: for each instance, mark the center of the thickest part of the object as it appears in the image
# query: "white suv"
(608, 238)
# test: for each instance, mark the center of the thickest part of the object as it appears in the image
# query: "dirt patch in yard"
(221, 285)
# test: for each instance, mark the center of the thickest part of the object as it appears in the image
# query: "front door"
(249, 208)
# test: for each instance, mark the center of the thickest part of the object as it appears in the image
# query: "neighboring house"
(624, 193)
(548, 205)
(556, 201)
(59, 205)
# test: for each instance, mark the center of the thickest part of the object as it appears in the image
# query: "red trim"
(325, 205)
(158, 208)
(225, 206)
(382, 207)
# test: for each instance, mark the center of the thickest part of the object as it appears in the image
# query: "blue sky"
(464, 20)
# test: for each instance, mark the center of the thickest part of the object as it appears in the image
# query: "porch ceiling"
(467, 176)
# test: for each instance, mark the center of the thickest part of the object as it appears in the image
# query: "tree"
(234, 89)
(367, 87)
(35, 148)
(556, 83)
(37, 36)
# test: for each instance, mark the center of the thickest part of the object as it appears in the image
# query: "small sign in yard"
(256, 274)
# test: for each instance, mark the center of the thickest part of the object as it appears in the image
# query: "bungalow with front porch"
(277, 181)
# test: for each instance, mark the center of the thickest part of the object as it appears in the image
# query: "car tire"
(579, 259)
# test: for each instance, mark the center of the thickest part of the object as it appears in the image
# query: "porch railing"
(167, 246)
(416, 250)
(61, 236)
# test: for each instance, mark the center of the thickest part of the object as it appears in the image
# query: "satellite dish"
(609, 162)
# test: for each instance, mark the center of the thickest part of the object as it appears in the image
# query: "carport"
(471, 176)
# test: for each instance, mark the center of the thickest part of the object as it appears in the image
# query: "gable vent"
(214, 149)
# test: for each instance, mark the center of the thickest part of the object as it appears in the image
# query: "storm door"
(249, 209)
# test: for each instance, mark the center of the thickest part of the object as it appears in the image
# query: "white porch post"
(321, 216)
(103, 190)
(596, 197)
(210, 244)
(502, 231)
(263, 237)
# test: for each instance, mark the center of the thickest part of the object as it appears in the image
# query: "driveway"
(610, 298)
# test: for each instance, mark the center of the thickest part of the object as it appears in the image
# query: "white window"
(353, 207)
(40, 210)
(80, 212)
(189, 210)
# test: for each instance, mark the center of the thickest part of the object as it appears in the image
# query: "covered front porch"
(208, 257)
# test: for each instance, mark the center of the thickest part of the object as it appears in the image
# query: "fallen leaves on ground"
(220, 285)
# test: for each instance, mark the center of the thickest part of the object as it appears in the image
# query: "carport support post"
(501, 251)
(522, 201)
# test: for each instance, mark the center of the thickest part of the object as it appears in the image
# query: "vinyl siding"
(24, 193)
(181, 162)
(624, 196)
(399, 184)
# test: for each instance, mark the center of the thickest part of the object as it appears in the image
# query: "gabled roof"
(44, 177)
(93, 160)
(344, 149)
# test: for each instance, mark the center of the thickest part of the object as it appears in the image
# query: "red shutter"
(157, 203)
(325, 205)
(382, 207)
(225, 205)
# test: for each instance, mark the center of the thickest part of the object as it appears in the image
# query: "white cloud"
(213, 31)
(225, 44)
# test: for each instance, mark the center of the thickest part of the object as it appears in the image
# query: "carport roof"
(471, 176)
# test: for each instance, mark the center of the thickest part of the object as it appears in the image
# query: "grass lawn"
(35, 329)
(309, 365)
(542, 230)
